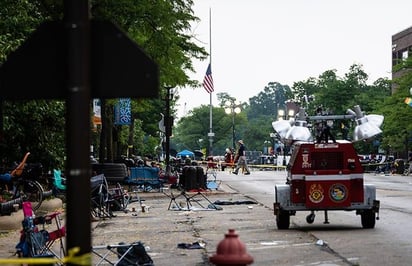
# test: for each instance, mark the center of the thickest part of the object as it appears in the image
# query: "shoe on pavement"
(248, 173)
(234, 173)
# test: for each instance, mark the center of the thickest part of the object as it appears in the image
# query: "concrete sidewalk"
(162, 229)
(165, 223)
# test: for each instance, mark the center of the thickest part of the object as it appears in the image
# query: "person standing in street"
(241, 159)
(229, 159)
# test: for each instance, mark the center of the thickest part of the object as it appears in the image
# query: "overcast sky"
(255, 42)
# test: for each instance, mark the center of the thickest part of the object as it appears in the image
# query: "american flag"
(208, 80)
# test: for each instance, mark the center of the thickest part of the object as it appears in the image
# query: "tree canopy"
(161, 28)
(397, 128)
(334, 93)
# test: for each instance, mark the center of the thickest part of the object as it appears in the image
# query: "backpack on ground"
(136, 256)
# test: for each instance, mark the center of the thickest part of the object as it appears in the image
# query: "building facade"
(401, 50)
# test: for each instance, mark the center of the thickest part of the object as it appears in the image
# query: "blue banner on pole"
(123, 112)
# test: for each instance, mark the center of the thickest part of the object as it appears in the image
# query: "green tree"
(372, 96)
(257, 131)
(337, 95)
(397, 127)
(304, 93)
(37, 127)
(18, 20)
(161, 28)
(195, 126)
(269, 101)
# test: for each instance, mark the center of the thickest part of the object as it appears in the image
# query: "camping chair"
(59, 185)
(145, 178)
(52, 236)
(121, 254)
(100, 201)
(59, 182)
(211, 174)
(152, 179)
(39, 243)
(118, 198)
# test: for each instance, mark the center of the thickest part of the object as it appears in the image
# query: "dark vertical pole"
(168, 132)
(103, 132)
(210, 134)
(233, 128)
(1, 120)
(77, 27)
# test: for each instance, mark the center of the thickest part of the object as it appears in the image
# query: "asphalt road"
(344, 235)
(342, 242)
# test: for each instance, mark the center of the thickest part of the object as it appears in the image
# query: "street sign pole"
(77, 28)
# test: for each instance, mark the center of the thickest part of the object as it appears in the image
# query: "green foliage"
(269, 101)
(18, 20)
(337, 95)
(161, 28)
(196, 125)
(329, 90)
(37, 127)
(397, 127)
(257, 131)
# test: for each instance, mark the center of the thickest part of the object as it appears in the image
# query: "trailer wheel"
(310, 218)
(283, 219)
(368, 219)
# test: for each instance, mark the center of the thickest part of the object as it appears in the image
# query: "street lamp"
(233, 107)
(282, 114)
(285, 120)
(289, 111)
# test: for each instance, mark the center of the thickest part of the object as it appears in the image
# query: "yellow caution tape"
(84, 259)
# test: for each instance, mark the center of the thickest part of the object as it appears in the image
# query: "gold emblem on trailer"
(316, 193)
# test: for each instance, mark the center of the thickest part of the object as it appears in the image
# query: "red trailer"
(324, 175)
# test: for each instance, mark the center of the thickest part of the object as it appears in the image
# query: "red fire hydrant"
(231, 251)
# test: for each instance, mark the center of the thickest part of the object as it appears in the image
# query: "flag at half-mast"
(208, 80)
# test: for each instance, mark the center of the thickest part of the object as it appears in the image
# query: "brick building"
(401, 49)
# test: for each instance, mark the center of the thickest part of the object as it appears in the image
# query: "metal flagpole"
(210, 134)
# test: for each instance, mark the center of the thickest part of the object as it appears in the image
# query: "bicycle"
(23, 185)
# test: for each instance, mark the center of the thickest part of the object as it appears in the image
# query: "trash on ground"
(195, 245)
(238, 202)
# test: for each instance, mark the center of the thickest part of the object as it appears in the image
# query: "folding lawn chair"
(100, 199)
(118, 198)
(40, 243)
(121, 254)
(211, 174)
